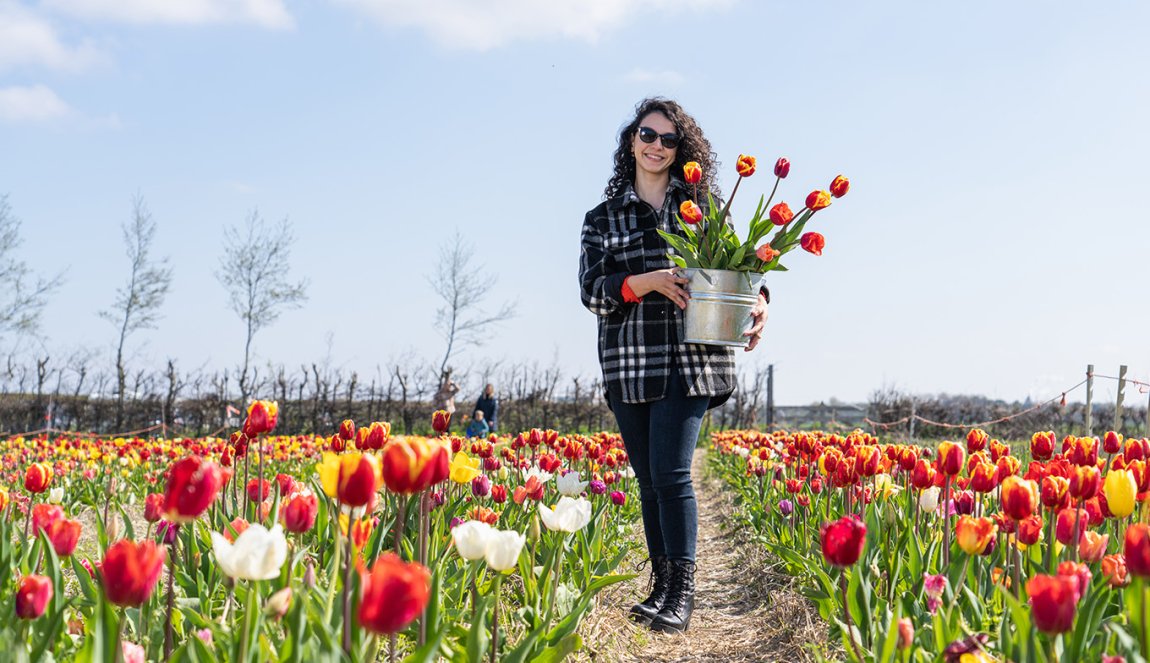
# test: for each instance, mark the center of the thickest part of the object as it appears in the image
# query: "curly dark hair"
(693, 146)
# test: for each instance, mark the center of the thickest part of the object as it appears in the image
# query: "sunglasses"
(648, 135)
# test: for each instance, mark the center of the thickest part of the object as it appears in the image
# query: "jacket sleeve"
(600, 288)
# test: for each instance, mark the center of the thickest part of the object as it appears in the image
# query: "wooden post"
(770, 397)
(913, 414)
(1121, 394)
(1089, 399)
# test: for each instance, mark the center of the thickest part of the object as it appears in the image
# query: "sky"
(993, 241)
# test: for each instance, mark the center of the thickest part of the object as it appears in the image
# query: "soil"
(744, 609)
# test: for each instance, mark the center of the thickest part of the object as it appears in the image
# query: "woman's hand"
(758, 319)
(663, 281)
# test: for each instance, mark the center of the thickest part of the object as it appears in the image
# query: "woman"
(489, 404)
(657, 386)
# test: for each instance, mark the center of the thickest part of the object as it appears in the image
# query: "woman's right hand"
(666, 282)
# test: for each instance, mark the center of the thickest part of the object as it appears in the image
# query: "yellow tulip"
(464, 469)
(1121, 492)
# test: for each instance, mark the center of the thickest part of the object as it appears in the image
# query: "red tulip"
(130, 571)
(1053, 602)
(1085, 480)
(286, 484)
(351, 478)
(1019, 497)
(38, 477)
(817, 200)
(1064, 527)
(1030, 530)
(32, 596)
(394, 594)
(977, 438)
(782, 168)
(813, 242)
(44, 516)
(1055, 492)
(692, 172)
(298, 513)
(347, 430)
(1111, 442)
(258, 490)
(984, 477)
(690, 212)
(950, 458)
(1042, 445)
(262, 418)
(377, 435)
(153, 507)
(64, 535)
(843, 540)
(745, 165)
(499, 494)
(413, 464)
(193, 484)
(440, 421)
(1137, 549)
(840, 186)
(922, 476)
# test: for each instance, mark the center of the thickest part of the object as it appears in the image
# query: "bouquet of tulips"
(708, 241)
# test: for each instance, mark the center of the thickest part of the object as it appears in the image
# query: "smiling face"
(653, 158)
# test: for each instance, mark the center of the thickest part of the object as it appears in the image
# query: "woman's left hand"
(758, 319)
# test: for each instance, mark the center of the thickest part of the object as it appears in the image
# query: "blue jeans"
(660, 438)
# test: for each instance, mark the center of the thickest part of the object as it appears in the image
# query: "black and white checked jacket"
(639, 343)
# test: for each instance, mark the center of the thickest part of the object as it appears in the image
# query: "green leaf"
(560, 651)
(478, 638)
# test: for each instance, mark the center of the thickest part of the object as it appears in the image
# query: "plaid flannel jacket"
(640, 343)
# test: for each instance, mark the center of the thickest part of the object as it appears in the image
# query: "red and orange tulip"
(130, 571)
(394, 593)
(193, 484)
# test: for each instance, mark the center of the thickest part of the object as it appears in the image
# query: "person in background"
(478, 426)
(444, 399)
(489, 404)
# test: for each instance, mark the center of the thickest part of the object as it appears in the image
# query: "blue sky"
(993, 240)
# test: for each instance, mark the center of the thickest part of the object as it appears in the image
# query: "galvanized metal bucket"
(719, 311)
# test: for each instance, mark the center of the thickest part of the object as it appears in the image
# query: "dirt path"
(745, 611)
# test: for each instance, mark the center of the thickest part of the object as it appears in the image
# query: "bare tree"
(22, 295)
(462, 319)
(254, 271)
(138, 301)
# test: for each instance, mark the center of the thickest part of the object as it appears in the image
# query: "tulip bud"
(153, 507)
(692, 172)
(440, 421)
(690, 212)
(745, 165)
(278, 603)
(817, 200)
(840, 186)
(347, 430)
(782, 168)
(905, 633)
(38, 477)
(618, 498)
(534, 532)
(766, 253)
(309, 574)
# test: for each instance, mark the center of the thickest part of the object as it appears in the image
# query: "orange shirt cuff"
(629, 294)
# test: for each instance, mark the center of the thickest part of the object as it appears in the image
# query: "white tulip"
(257, 554)
(471, 539)
(928, 499)
(503, 548)
(570, 485)
(543, 477)
(569, 515)
(56, 495)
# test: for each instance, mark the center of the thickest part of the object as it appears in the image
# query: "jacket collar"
(628, 196)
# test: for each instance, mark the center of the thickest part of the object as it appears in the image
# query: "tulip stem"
(946, 526)
(847, 612)
(28, 517)
(119, 655)
(168, 636)
(1049, 540)
(495, 619)
(346, 602)
(423, 518)
(1145, 619)
(400, 520)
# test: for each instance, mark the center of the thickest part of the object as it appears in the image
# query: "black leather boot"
(675, 615)
(659, 583)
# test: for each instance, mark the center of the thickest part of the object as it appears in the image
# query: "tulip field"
(959, 552)
(353, 546)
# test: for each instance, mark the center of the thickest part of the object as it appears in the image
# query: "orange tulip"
(745, 165)
(130, 571)
(690, 212)
(974, 534)
(1042, 445)
(1114, 570)
(1055, 492)
(977, 438)
(781, 214)
(766, 253)
(984, 477)
(1093, 546)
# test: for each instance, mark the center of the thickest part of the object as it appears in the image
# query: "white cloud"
(486, 24)
(28, 39)
(264, 13)
(664, 78)
(35, 103)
